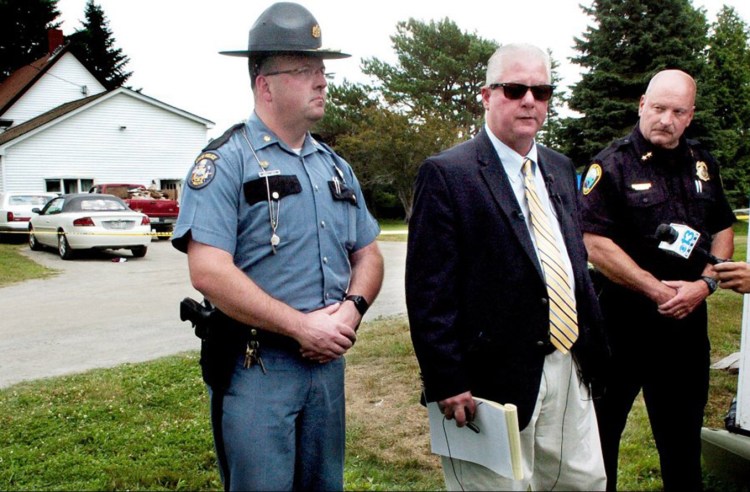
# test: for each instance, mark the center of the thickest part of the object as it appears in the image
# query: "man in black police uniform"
(654, 303)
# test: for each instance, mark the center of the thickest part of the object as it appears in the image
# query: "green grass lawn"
(15, 267)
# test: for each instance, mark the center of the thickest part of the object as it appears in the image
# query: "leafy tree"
(346, 109)
(620, 51)
(93, 45)
(729, 84)
(389, 148)
(23, 32)
(439, 73)
(426, 102)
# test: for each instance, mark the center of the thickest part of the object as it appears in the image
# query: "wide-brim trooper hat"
(286, 27)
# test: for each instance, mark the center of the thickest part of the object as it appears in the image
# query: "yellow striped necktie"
(563, 318)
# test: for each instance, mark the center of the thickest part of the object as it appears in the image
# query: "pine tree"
(23, 32)
(728, 83)
(551, 134)
(626, 45)
(93, 45)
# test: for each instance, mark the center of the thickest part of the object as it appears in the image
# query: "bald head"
(667, 108)
(676, 81)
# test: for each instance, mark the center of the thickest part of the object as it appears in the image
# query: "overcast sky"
(173, 45)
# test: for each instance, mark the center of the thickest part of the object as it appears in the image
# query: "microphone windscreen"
(667, 233)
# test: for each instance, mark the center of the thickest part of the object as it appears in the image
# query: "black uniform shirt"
(632, 187)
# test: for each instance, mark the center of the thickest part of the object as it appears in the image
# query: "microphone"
(681, 240)
(549, 180)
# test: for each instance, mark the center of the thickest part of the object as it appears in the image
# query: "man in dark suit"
(494, 312)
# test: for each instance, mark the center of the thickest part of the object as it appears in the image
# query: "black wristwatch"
(712, 284)
(359, 302)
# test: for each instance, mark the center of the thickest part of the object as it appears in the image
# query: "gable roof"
(25, 77)
(45, 118)
(66, 110)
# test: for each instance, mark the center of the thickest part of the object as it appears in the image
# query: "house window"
(53, 185)
(69, 185)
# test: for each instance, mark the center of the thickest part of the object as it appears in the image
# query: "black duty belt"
(244, 333)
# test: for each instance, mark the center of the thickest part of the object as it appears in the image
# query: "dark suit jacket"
(475, 291)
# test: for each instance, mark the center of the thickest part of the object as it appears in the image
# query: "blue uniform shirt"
(231, 199)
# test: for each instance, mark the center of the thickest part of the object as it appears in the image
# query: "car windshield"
(98, 205)
(32, 200)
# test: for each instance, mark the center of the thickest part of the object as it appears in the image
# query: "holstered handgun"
(221, 341)
(198, 314)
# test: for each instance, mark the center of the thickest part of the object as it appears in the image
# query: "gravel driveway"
(99, 313)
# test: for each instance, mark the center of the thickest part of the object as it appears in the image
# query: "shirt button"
(544, 301)
(325, 259)
(316, 187)
(323, 224)
(326, 295)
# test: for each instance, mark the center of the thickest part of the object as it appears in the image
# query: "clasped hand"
(687, 296)
(328, 333)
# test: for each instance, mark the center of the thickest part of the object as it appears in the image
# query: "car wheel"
(139, 251)
(63, 248)
(33, 243)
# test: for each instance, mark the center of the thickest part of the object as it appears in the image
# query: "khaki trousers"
(560, 446)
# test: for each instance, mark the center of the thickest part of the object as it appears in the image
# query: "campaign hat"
(286, 27)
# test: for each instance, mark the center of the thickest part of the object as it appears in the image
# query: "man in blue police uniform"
(280, 242)
(654, 304)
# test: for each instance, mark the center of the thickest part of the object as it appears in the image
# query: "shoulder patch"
(701, 170)
(593, 175)
(203, 171)
(224, 138)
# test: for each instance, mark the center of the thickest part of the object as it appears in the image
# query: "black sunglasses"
(517, 91)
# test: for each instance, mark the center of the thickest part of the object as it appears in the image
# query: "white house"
(64, 132)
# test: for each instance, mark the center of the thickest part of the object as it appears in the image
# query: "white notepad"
(496, 446)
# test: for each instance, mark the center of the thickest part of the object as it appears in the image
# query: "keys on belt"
(252, 353)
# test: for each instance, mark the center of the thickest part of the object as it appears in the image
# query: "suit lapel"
(501, 191)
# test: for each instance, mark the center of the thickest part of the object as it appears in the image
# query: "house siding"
(155, 144)
(61, 84)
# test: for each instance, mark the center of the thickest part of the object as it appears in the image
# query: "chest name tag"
(641, 186)
(264, 174)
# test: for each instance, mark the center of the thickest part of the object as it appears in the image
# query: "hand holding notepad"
(496, 445)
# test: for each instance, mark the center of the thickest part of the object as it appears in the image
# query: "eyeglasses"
(517, 91)
(304, 72)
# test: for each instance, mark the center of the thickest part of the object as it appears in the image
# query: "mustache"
(663, 129)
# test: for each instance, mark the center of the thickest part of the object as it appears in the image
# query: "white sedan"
(15, 209)
(86, 221)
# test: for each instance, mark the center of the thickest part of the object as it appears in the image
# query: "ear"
(263, 88)
(486, 92)
(692, 113)
(641, 105)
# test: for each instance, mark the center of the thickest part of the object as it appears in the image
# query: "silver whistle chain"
(274, 205)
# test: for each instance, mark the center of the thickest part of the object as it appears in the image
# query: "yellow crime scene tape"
(39, 233)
